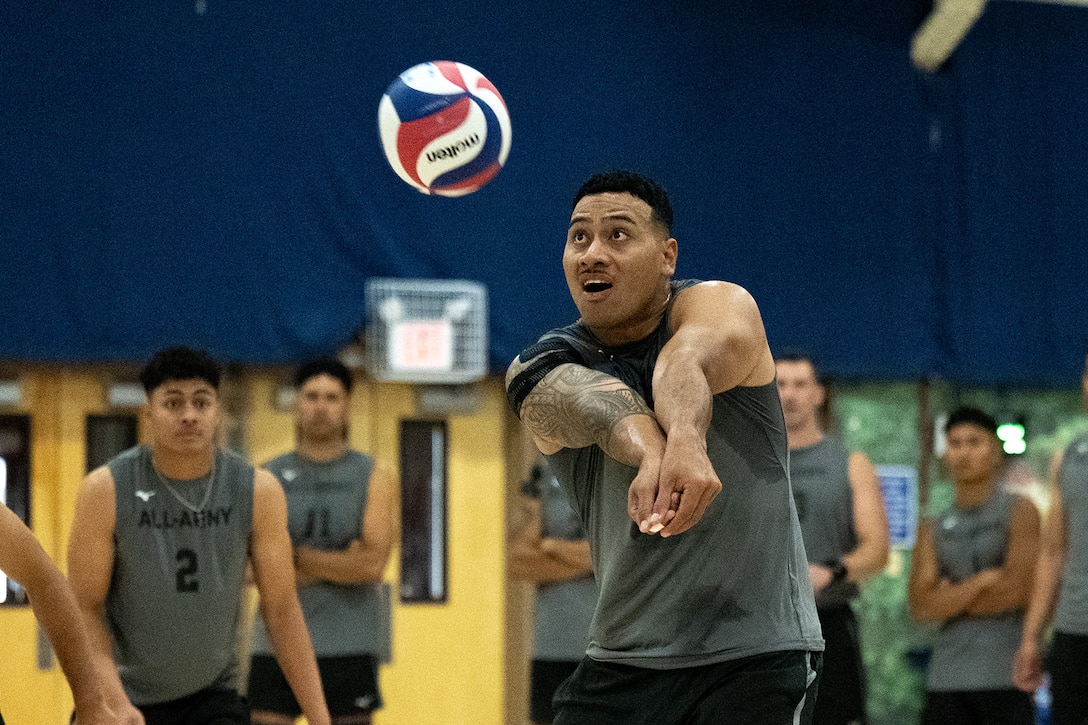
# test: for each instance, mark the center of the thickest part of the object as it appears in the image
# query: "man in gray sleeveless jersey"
(845, 529)
(157, 560)
(971, 575)
(549, 548)
(340, 512)
(660, 417)
(1061, 590)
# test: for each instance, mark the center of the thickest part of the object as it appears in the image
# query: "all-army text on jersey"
(156, 518)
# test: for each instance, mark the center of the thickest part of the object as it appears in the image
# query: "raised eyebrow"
(619, 217)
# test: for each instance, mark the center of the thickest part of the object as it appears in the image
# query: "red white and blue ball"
(444, 128)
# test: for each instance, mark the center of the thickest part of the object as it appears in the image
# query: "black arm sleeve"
(543, 357)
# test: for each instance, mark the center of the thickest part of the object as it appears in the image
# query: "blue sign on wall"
(900, 487)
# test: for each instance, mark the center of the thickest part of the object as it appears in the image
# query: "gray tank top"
(819, 475)
(174, 602)
(325, 505)
(564, 609)
(974, 653)
(1071, 615)
(734, 585)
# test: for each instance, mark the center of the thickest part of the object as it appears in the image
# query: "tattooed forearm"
(577, 407)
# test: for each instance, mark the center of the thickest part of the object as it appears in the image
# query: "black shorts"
(771, 689)
(1067, 662)
(842, 679)
(995, 707)
(545, 678)
(206, 707)
(350, 683)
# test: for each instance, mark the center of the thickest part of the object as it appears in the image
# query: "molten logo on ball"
(444, 128)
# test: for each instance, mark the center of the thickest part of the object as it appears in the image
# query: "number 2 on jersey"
(187, 568)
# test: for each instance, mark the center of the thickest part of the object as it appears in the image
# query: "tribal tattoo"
(575, 406)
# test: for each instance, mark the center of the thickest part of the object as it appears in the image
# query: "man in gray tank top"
(971, 576)
(660, 417)
(157, 560)
(1061, 590)
(340, 512)
(549, 548)
(845, 529)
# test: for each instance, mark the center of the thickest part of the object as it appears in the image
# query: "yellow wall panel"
(449, 659)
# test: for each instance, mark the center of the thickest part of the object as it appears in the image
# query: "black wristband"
(838, 570)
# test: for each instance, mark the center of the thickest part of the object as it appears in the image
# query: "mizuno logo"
(144, 495)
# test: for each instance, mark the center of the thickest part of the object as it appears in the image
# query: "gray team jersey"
(174, 602)
(819, 475)
(563, 609)
(974, 653)
(1071, 616)
(325, 505)
(734, 585)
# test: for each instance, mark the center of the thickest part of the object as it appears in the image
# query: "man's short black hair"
(792, 355)
(179, 363)
(795, 355)
(974, 416)
(324, 366)
(635, 184)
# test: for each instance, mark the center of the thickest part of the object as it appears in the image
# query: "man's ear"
(670, 254)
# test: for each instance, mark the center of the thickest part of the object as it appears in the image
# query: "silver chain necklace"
(181, 499)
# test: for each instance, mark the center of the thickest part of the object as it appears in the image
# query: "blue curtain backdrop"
(209, 172)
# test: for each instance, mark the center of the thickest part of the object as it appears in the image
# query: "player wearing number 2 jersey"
(157, 561)
(184, 558)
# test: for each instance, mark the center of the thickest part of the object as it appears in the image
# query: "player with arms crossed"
(660, 416)
(157, 560)
(341, 513)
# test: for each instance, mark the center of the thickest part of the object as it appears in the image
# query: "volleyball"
(444, 128)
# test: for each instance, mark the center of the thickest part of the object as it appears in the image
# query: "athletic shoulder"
(98, 483)
(713, 289)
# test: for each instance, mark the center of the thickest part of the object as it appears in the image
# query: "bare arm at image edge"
(1028, 662)
(90, 568)
(24, 560)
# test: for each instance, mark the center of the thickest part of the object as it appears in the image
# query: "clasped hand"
(670, 495)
